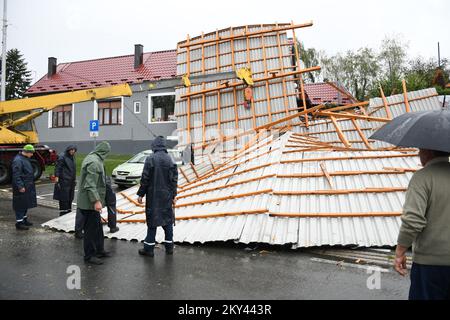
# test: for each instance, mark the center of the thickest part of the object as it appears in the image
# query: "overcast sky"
(85, 29)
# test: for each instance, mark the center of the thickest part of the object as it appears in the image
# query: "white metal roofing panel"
(422, 100)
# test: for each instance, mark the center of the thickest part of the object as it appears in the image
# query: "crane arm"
(14, 123)
(51, 101)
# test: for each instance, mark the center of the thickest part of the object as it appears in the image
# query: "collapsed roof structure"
(268, 168)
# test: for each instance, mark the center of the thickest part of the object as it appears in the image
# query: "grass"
(111, 162)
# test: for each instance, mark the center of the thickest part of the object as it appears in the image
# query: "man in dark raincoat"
(65, 178)
(24, 190)
(91, 200)
(159, 186)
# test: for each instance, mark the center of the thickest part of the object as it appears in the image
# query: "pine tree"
(18, 77)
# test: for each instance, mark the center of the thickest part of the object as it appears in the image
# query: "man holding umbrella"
(426, 212)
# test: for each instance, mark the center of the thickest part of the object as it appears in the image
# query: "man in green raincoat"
(91, 201)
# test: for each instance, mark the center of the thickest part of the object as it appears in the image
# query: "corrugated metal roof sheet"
(422, 100)
(225, 193)
(205, 117)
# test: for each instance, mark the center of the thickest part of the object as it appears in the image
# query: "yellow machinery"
(14, 113)
(17, 126)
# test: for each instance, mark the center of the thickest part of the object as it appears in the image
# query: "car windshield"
(139, 158)
(175, 155)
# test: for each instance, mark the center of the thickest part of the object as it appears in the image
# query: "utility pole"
(5, 26)
(439, 55)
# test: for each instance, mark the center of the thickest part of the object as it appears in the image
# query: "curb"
(42, 203)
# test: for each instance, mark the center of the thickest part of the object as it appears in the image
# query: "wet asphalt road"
(44, 189)
(33, 265)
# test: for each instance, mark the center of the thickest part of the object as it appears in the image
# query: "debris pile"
(268, 168)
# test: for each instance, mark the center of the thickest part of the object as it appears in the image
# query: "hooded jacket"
(66, 172)
(92, 187)
(159, 185)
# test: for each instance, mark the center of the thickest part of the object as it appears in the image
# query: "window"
(110, 112)
(61, 117)
(161, 107)
(137, 107)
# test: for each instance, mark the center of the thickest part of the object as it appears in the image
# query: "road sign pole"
(93, 129)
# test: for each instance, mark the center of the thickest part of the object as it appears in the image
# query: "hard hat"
(28, 148)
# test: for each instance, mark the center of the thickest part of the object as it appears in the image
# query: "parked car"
(129, 173)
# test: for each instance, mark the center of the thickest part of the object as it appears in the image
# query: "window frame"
(150, 105)
(71, 121)
(121, 111)
(136, 103)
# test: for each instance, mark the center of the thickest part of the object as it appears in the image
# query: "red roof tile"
(320, 93)
(107, 71)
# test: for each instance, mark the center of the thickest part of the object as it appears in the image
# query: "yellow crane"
(14, 114)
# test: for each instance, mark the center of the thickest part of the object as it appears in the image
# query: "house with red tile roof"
(128, 123)
(103, 72)
(328, 93)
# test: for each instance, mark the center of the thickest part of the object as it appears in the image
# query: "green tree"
(420, 73)
(393, 58)
(364, 71)
(18, 77)
(356, 71)
(310, 58)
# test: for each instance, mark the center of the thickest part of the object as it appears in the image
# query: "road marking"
(50, 194)
(383, 250)
(43, 185)
(352, 265)
(46, 195)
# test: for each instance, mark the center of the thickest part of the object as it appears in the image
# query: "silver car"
(129, 173)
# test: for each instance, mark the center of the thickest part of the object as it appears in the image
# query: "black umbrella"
(424, 130)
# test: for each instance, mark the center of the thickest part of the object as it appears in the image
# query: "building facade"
(128, 123)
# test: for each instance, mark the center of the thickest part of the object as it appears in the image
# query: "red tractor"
(43, 157)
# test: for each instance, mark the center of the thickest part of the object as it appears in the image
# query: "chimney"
(138, 55)
(52, 63)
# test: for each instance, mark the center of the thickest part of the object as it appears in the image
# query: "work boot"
(21, 226)
(104, 254)
(169, 249)
(147, 253)
(79, 234)
(27, 223)
(114, 230)
(93, 260)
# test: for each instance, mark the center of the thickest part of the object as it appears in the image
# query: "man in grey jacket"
(426, 227)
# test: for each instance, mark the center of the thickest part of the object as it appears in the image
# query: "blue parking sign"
(93, 125)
